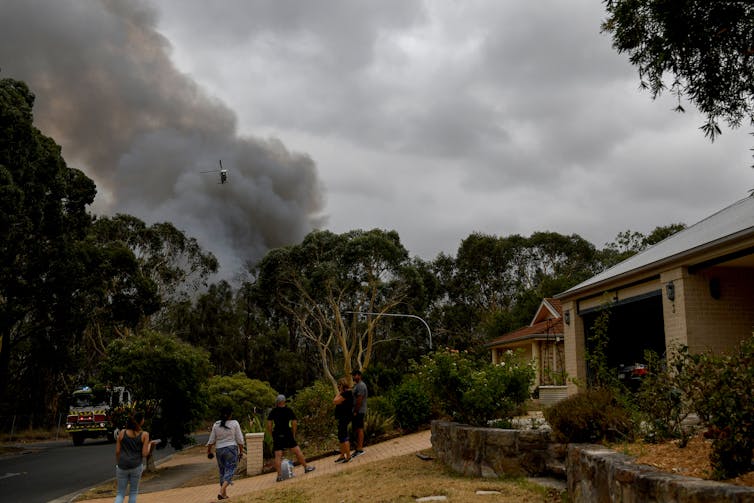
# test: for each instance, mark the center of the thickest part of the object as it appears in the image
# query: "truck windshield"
(83, 400)
(90, 399)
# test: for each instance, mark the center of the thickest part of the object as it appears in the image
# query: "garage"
(636, 325)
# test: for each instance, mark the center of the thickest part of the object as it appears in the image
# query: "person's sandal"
(341, 460)
(308, 469)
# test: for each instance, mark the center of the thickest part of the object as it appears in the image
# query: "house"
(542, 343)
(695, 288)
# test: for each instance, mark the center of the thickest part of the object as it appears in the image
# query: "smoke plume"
(108, 92)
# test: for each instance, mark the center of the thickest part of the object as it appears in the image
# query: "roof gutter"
(650, 269)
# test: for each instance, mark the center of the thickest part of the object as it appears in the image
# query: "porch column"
(538, 363)
(574, 347)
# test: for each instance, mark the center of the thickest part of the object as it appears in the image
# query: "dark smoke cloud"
(108, 92)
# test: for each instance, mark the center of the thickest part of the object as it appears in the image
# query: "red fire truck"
(90, 414)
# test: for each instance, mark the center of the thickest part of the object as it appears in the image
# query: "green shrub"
(411, 403)
(315, 411)
(722, 396)
(446, 374)
(663, 397)
(475, 392)
(381, 404)
(376, 425)
(248, 398)
(590, 416)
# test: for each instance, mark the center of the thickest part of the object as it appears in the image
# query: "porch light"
(670, 291)
(567, 316)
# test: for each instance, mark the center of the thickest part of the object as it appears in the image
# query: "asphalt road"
(55, 471)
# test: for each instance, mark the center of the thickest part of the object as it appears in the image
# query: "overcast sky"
(434, 118)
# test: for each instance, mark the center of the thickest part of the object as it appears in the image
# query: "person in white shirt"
(227, 439)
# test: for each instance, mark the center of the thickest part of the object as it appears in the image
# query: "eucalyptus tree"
(326, 280)
(43, 219)
(274, 355)
(213, 321)
(494, 284)
(172, 259)
(628, 243)
(477, 283)
(696, 49)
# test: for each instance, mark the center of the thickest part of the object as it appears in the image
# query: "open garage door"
(636, 325)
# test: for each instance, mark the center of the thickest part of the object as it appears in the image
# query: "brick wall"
(702, 322)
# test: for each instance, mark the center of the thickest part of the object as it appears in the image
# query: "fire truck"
(91, 411)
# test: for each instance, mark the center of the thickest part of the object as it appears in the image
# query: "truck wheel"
(77, 439)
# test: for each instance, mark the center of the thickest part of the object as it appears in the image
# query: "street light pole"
(398, 316)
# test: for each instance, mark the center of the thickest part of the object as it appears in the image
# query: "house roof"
(728, 224)
(547, 322)
(548, 308)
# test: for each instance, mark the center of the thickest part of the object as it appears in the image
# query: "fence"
(18, 426)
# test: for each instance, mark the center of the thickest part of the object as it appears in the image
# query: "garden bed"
(691, 461)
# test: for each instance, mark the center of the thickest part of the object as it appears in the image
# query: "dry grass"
(398, 479)
(401, 479)
(691, 461)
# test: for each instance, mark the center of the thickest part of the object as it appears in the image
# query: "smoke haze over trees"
(108, 92)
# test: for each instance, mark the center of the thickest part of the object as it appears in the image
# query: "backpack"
(286, 469)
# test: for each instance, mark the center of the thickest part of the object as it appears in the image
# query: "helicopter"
(223, 173)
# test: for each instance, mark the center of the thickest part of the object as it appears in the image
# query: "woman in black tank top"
(131, 447)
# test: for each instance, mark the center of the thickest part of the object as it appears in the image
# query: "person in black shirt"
(281, 425)
(343, 412)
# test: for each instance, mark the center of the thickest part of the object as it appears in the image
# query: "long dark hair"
(134, 421)
(225, 413)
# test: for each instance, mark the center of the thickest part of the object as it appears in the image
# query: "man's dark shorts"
(283, 441)
(358, 421)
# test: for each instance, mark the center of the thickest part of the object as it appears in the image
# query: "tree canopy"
(700, 50)
(167, 370)
(321, 282)
(43, 221)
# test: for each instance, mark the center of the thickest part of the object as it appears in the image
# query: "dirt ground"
(691, 461)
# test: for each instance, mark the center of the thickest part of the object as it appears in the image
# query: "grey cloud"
(108, 92)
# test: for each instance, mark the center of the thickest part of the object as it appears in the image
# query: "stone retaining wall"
(492, 452)
(598, 474)
(593, 473)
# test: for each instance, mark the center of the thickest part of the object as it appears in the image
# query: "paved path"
(406, 444)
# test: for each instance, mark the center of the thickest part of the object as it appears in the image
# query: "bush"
(315, 411)
(722, 396)
(382, 405)
(663, 397)
(590, 416)
(473, 392)
(248, 398)
(376, 425)
(411, 403)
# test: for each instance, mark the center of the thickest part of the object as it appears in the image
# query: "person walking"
(343, 412)
(360, 394)
(282, 425)
(227, 439)
(131, 447)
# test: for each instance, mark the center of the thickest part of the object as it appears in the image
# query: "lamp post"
(398, 316)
